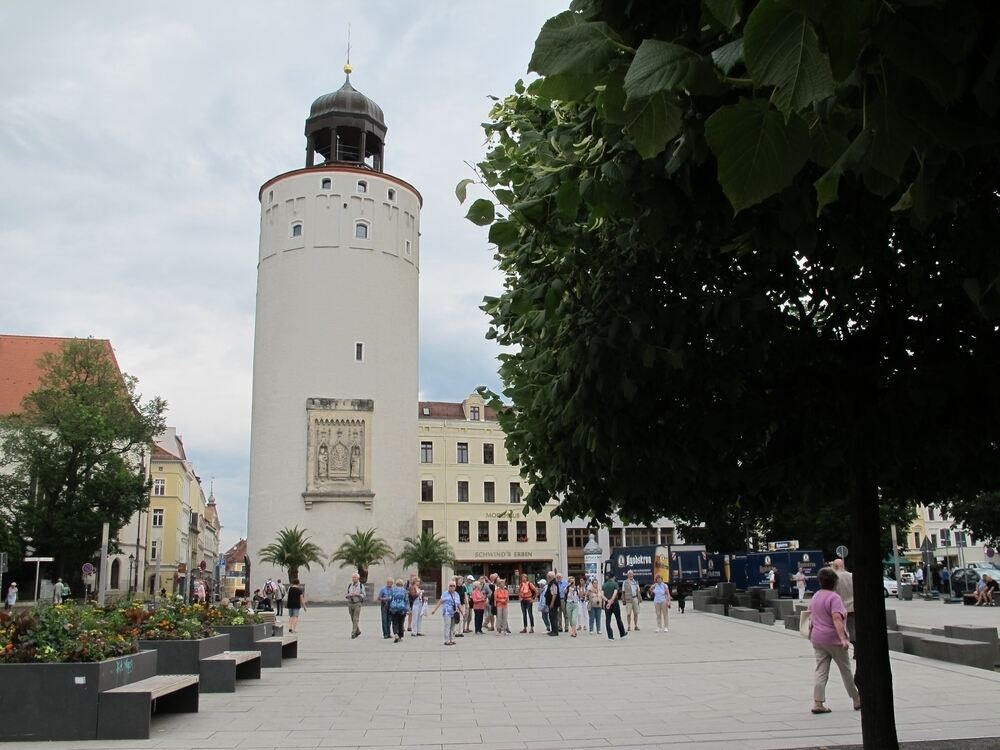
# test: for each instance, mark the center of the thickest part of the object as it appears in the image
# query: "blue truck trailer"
(751, 568)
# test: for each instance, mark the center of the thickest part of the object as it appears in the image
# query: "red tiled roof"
(19, 370)
(236, 553)
(161, 454)
(450, 410)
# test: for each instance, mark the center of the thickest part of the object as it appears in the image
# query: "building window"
(916, 539)
(426, 527)
(463, 531)
(502, 533)
(297, 229)
(427, 490)
(474, 413)
(326, 184)
(487, 453)
(666, 535)
(154, 550)
(960, 540)
(576, 538)
(522, 531)
(359, 351)
(945, 537)
(463, 453)
(541, 531)
(515, 492)
(930, 512)
(391, 194)
(270, 196)
(361, 230)
(638, 536)
(426, 452)
(409, 249)
(362, 186)
(159, 487)
(484, 531)
(463, 491)
(157, 518)
(934, 540)
(615, 538)
(489, 492)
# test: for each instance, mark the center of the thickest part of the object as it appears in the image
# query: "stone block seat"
(955, 650)
(276, 648)
(125, 713)
(219, 673)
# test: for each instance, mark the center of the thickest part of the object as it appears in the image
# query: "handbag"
(456, 618)
(805, 623)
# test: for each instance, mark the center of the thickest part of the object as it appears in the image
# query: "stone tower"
(334, 419)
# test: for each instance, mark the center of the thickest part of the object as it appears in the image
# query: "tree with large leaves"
(361, 550)
(749, 251)
(71, 458)
(292, 549)
(427, 552)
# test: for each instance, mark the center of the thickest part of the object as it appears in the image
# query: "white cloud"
(134, 138)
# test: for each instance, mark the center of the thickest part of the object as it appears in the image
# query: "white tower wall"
(319, 295)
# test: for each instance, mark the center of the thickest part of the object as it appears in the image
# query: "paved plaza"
(711, 682)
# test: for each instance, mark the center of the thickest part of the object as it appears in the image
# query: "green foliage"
(426, 552)
(71, 457)
(62, 633)
(361, 550)
(978, 514)
(292, 549)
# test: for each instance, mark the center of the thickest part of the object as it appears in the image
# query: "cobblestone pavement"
(711, 682)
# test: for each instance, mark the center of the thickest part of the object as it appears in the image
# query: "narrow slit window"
(361, 231)
(359, 352)
(391, 194)
(409, 248)
(270, 196)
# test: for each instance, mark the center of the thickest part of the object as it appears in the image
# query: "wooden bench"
(219, 673)
(273, 650)
(125, 713)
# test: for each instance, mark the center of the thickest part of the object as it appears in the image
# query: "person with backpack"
(452, 604)
(269, 593)
(355, 596)
(399, 604)
(527, 592)
(279, 596)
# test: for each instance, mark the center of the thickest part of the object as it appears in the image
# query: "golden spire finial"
(347, 65)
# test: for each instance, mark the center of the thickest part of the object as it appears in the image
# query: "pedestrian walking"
(554, 601)
(828, 635)
(478, 606)
(57, 592)
(681, 595)
(417, 608)
(845, 590)
(280, 590)
(11, 598)
(412, 595)
(452, 604)
(631, 595)
(399, 603)
(595, 603)
(501, 598)
(270, 594)
(355, 596)
(384, 595)
(296, 604)
(572, 605)
(526, 593)
(612, 607)
(800, 584)
(661, 603)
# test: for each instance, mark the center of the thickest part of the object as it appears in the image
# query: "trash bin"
(906, 592)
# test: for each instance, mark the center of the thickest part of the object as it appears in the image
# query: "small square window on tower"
(362, 186)
(326, 184)
(361, 231)
(297, 229)
(359, 351)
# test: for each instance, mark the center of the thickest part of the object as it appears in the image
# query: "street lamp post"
(138, 520)
(131, 562)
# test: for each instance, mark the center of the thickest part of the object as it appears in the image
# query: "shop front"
(508, 565)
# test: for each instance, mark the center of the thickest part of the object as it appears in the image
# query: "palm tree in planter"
(292, 550)
(361, 550)
(429, 553)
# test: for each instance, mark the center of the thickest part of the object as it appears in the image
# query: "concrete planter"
(30, 692)
(242, 637)
(184, 657)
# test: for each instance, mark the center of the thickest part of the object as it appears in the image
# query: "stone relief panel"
(338, 461)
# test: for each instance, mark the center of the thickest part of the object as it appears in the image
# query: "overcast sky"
(134, 138)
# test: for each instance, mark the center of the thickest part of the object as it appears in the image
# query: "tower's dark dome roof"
(349, 101)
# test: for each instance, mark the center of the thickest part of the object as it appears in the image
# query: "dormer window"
(474, 413)
(391, 194)
(362, 186)
(361, 230)
(326, 184)
(297, 229)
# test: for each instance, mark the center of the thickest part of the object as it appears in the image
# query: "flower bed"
(64, 633)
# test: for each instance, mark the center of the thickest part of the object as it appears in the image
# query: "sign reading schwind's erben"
(339, 454)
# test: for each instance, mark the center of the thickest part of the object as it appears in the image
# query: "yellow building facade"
(473, 497)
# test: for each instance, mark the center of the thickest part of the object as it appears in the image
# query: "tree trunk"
(874, 673)
(293, 574)
(363, 574)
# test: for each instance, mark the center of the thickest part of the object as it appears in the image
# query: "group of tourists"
(470, 605)
(274, 595)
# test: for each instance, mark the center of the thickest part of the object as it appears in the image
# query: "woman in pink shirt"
(828, 635)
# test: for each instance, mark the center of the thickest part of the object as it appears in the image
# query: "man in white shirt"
(845, 587)
(355, 596)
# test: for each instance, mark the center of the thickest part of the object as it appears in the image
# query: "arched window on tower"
(297, 229)
(391, 194)
(361, 230)
(362, 186)
(326, 184)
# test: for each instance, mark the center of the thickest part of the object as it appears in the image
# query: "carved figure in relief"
(323, 462)
(355, 462)
(340, 458)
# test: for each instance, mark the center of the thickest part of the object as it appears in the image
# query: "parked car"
(964, 580)
(889, 587)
